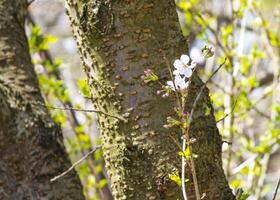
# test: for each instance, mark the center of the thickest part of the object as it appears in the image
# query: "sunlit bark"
(117, 41)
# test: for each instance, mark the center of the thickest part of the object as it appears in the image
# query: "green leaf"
(235, 183)
(83, 86)
(58, 116)
(102, 183)
(273, 38)
(241, 195)
(174, 177)
(98, 168)
(226, 32)
(245, 65)
(185, 154)
(38, 42)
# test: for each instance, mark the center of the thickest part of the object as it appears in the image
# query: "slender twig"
(30, 2)
(171, 75)
(46, 55)
(172, 78)
(255, 103)
(267, 32)
(227, 142)
(181, 107)
(244, 164)
(240, 41)
(75, 164)
(233, 108)
(183, 171)
(221, 88)
(260, 112)
(186, 139)
(276, 190)
(223, 48)
(202, 88)
(86, 110)
(176, 142)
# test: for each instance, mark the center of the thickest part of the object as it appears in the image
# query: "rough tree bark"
(31, 148)
(117, 41)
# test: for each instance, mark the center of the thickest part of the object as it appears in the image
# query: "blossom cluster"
(183, 71)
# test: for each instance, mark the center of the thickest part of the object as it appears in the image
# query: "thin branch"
(267, 33)
(260, 112)
(46, 55)
(227, 142)
(176, 142)
(253, 105)
(187, 137)
(243, 164)
(276, 190)
(202, 88)
(30, 2)
(221, 88)
(86, 110)
(171, 75)
(172, 78)
(233, 108)
(223, 48)
(76, 163)
(181, 108)
(183, 171)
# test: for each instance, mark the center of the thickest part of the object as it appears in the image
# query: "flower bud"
(207, 51)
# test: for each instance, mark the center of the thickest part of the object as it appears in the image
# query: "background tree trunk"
(117, 41)
(31, 148)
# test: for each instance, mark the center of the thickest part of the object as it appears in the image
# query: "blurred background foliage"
(245, 93)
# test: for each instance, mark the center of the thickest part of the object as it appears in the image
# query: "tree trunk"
(31, 148)
(117, 41)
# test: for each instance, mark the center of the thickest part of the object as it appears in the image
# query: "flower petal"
(179, 80)
(181, 70)
(170, 85)
(178, 64)
(184, 86)
(185, 59)
(187, 72)
(193, 64)
(176, 72)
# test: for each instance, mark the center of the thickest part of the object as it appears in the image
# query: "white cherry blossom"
(180, 83)
(182, 66)
(183, 71)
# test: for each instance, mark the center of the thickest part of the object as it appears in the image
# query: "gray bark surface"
(117, 41)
